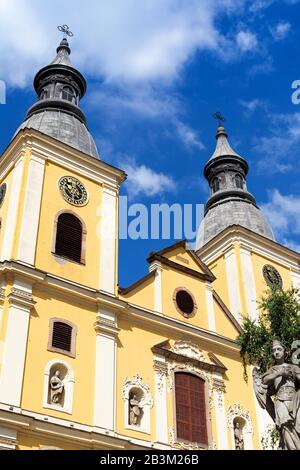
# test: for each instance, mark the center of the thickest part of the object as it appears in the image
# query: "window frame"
(72, 352)
(83, 240)
(184, 314)
(207, 409)
(66, 89)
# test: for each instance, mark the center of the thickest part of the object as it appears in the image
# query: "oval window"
(185, 302)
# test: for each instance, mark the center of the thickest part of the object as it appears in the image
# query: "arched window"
(68, 94)
(62, 337)
(69, 237)
(44, 94)
(238, 181)
(191, 414)
(58, 386)
(215, 185)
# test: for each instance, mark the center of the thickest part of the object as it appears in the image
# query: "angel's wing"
(261, 392)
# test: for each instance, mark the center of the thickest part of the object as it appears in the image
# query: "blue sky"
(157, 70)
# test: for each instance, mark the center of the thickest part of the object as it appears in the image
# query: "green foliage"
(271, 439)
(279, 319)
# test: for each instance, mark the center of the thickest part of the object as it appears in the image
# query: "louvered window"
(191, 408)
(69, 237)
(62, 337)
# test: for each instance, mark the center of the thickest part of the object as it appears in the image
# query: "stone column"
(105, 372)
(249, 282)
(31, 212)
(156, 266)
(13, 207)
(108, 240)
(12, 372)
(210, 307)
(220, 411)
(161, 406)
(233, 283)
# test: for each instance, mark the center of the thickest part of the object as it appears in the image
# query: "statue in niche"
(135, 411)
(56, 388)
(238, 437)
(283, 382)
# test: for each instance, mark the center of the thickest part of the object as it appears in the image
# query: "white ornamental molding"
(137, 382)
(161, 370)
(181, 445)
(2, 294)
(188, 349)
(237, 411)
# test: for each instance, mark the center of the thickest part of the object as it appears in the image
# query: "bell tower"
(230, 202)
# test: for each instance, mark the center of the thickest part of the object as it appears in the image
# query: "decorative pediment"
(188, 349)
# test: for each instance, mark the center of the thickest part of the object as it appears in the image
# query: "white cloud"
(246, 41)
(143, 180)
(281, 30)
(131, 41)
(147, 102)
(188, 136)
(252, 105)
(263, 68)
(283, 212)
(279, 147)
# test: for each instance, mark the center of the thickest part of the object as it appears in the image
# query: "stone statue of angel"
(282, 381)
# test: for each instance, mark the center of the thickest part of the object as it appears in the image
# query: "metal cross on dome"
(65, 30)
(220, 118)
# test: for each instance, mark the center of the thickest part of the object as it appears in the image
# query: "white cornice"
(69, 431)
(49, 149)
(250, 241)
(91, 296)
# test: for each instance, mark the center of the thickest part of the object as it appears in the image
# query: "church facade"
(86, 364)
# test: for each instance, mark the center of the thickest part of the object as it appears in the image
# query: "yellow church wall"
(218, 269)
(4, 207)
(52, 203)
(134, 356)
(36, 442)
(3, 322)
(258, 262)
(238, 391)
(21, 204)
(244, 306)
(37, 356)
(223, 325)
(182, 257)
(172, 280)
(142, 295)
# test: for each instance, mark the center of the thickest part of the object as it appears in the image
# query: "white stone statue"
(283, 382)
(56, 388)
(135, 411)
(238, 437)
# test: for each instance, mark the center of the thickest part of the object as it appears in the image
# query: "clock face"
(272, 276)
(2, 192)
(73, 191)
